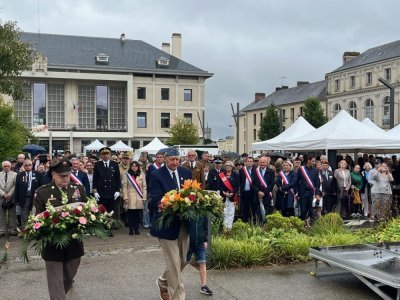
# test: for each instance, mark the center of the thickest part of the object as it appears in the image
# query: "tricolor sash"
(261, 178)
(307, 178)
(226, 182)
(285, 180)
(135, 184)
(246, 173)
(155, 166)
(75, 179)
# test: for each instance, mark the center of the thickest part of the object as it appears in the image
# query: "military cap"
(125, 155)
(62, 167)
(105, 150)
(217, 159)
(172, 152)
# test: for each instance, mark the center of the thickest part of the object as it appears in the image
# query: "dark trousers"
(248, 205)
(329, 202)
(117, 209)
(133, 219)
(306, 209)
(60, 276)
(108, 203)
(288, 212)
(26, 210)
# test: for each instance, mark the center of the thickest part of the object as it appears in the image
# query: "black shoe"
(130, 232)
(137, 232)
(206, 291)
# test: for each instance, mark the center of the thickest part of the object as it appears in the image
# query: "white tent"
(95, 146)
(151, 148)
(395, 131)
(371, 124)
(300, 127)
(344, 132)
(120, 146)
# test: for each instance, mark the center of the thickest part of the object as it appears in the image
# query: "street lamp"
(236, 118)
(391, 88)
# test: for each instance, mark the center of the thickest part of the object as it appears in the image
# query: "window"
(283, 115)
(56, 106)
(261, 117)
(292, 114)
(141, 120)
(187, 94)
(86, 112)
(388, 73)
(369, 78)
(386, 111)
(353, 109)
(353, 81)
(23, 107)
(39, 104)
(101, 107)
(336, 109)
(187, 118)
(141, 93)
(165, 120)
(301, 110)
(164, 93)
(118, 110)
(337, 85)
(255, 134)
(135, 144)
(369, 109)
(254, 119)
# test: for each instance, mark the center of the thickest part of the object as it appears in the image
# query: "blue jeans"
(199, 251)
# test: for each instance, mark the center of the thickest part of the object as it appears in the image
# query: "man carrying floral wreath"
(61, 263)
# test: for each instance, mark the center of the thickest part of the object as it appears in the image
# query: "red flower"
(192, 198)
(46, 214)
(102, 208)
(56, 220)
(77, 211)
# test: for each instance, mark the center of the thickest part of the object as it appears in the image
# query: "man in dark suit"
(106, 180)
(174, 240)
(79, 177)
(263, 182)
(25, 187)
(329, 186)
(213, 175)
(247, 196)
(61, 264)
(148, 211)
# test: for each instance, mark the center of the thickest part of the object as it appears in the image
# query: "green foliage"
(391, 232)
(183, 133)
(13, 134)
(270, 124)
(313, 112)
(15, 57)
(328, 224)
(207, 141)
(276, 220)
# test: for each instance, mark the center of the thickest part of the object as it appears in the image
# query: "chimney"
(166, 47)
(349, 56)
(278, 88)
(259, 96)
(299, 83)
(122, 38)
(177, 45)
(285, 87)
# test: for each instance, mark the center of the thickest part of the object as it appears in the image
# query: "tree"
(183, 133)
(313, 112)
(13, 134)
(16, 56)
(269, 127)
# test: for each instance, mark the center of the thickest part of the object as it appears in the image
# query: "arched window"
(336, 109)
(386, 111)
(353, 109)
(369, 109)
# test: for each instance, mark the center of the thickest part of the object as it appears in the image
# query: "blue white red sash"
(307, 178)
(226, 182)
(155, 166)
(135, 184)
(75, 179)
(261, 178)
(248, 178)
(285, 180)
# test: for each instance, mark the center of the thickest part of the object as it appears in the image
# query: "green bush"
(391, 232)
(328, 224)
(276, 220)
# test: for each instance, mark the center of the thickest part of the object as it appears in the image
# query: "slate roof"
(379, 53)
(79, 52)
(291, 95)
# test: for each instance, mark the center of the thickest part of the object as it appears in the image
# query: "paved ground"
(126, 267)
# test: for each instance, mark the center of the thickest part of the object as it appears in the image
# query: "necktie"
(326, 175)
(5, 178)
(106, 165)
(174, 178)
(64, 189)
(191, 165)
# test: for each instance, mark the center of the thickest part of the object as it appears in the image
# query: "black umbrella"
(33, 149)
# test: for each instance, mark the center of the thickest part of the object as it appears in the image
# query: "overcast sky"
(249, 45)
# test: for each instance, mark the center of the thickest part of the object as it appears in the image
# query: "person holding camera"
(7, 209)
(382, 202)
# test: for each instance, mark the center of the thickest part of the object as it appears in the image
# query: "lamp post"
(391, 88)
(236, 118)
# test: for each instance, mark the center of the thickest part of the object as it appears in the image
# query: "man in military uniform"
(61, 263)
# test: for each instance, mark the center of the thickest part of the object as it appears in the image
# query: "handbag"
(356, 197)
(7, 204)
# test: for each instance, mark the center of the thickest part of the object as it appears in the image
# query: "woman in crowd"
(135, 194)
(343, 179)
(356, 188)
(286, 182)
(366, 191)
(229, 187)
(382, 204)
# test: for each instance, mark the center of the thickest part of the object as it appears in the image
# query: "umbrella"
(33, 149)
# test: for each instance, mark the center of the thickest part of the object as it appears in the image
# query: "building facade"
(355, 87)
(87, 88)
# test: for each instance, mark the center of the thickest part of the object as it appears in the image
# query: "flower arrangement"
(189, 203)
(58, 225)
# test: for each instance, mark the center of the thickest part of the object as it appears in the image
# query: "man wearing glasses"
(7, 207)
(195, 167)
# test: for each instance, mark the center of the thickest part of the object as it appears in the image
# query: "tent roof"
(341, 133)
(95, 146)
(154, 145)
(395, 131)
(371, 124)
(298, 128)
(120, 146)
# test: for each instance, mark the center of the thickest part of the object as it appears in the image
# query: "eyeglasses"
(191, 155)
(28, 165)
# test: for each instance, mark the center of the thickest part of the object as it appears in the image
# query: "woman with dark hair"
(286, 182)
(135, 194)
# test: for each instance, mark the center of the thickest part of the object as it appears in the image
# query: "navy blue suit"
(82, 176)
(161, 182)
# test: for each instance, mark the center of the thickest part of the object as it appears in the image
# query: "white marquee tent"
(121, 146)
(300, 127)
(95, 146)
(151, 148)
(344, 132)
(371, 124)
(395, 131)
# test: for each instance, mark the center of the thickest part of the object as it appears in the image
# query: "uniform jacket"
(21, 186)
(50, 192)
(213, 179)
(161, 182)
(9, 187)
(269, 178)
(197, 172)
(131, 197)
(82, 176)
(106, 181)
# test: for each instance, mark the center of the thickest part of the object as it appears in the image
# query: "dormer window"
(162, 62)
(102, 58)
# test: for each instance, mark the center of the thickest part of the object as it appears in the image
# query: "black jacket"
(106, 181)
(21, 186)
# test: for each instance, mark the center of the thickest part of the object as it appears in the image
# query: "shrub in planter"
(276, 220)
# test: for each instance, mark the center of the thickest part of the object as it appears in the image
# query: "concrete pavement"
(126, 267)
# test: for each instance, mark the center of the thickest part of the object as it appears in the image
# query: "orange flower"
(177, 196)
(190, 184)
(195, 184)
